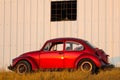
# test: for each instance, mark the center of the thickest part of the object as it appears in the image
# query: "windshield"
(90, 44)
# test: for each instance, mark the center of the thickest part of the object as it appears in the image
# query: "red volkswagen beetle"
(62, 53)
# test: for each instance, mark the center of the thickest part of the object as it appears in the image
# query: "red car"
(62, 53)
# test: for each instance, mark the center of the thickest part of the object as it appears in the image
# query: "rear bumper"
(10, 67)
(107, 66)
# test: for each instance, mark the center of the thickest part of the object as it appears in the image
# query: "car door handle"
(60, 52)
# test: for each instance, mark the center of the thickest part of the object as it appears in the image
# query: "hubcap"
(21, 68)
(86, 66)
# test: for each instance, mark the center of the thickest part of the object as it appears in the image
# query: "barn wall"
(25, 25)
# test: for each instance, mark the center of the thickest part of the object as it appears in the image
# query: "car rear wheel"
(23, 67)
(87, 65)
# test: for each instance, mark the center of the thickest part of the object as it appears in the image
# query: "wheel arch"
(33, 64)
(90, 57)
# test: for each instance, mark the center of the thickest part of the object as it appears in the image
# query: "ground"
(113, 74)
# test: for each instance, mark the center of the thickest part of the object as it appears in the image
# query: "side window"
(47, 47)
(73, 46)
(55, 46)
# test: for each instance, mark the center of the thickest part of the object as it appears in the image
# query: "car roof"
(66, 38)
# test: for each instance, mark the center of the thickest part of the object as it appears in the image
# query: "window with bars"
(64, 10)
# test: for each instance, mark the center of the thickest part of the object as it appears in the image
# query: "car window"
(90, 45)
(55, 46)
(73, 46)
(47, 47)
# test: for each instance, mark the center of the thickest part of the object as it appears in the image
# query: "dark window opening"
(57, 46)
(64, 10)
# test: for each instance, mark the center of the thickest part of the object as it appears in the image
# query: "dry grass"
(113, 74)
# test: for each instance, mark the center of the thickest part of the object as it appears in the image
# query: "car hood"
(32, 53)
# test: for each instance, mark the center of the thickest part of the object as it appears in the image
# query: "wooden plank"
(68, 28)
(87, 26)
(80, 18)
(7, 29)
(116, 29)
(95, 25)
(27, 26)
(13, 31)
(33, 24)
(40, 30)
(61, 29)
(54, 29)
(109, 28)
(102, 24)
(74, 28)
(20, 27)
(47, 19)
(1, 33)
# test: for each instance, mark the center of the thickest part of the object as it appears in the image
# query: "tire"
(23, 67)
(87, 65)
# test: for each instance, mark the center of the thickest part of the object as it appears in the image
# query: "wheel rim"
(86, 66)
(22, 68)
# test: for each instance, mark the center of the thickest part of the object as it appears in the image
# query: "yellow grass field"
(113, 74)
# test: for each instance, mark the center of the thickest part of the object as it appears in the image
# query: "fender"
(32, 62)
(88, 56)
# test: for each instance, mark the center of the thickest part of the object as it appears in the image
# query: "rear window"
(73, 46)
(90, 44)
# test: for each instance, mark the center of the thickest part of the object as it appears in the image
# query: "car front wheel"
(23, 67)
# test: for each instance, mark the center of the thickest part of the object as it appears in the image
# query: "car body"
(62, 53)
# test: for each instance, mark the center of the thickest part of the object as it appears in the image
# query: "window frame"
(53, 44)
(72, 42)
(64, 15)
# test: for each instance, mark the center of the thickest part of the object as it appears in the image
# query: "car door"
(72, 51)
(52, 55)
